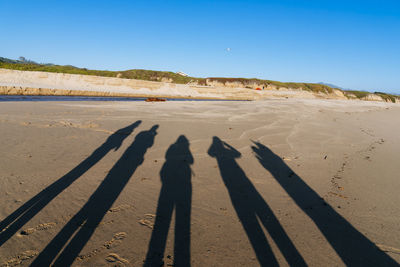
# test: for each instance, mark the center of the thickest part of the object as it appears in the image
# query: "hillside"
(171, 77)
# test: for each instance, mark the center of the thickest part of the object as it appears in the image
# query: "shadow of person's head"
(146, 138)
(266, 157)
(154, 128)
(182, 140)
(221, 149)
(129, 129)
(180, 151)
(116, 139)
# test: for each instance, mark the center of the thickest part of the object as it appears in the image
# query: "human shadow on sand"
(15, 221)
(77, 232)
(176, 193)
(252, 210)
(352, 246)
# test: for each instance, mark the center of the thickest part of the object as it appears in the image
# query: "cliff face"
(29, 74)
(382, 97)
(43, 83)
(234, 84)
(373, 97)
(14, 82)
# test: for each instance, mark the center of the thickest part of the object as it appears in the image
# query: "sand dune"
(13, 82)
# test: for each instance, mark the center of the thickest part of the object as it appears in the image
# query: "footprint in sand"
(20, 258)
(114, 242)
(148, 220)
(117, 260)
(39, 227)
(120, 208)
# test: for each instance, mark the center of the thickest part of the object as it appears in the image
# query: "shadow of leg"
(15, 221)
(249, 204)
(351, 245)
(155, 254)
(97, 206)
(176, 192)
(182, 227)
(278, 234)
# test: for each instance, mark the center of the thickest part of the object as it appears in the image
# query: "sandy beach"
(289, 182)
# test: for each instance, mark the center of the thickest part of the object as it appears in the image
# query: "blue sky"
(353, 44)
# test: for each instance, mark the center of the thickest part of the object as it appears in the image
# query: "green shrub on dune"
(312, 87)
(388, 97)
(357, 94)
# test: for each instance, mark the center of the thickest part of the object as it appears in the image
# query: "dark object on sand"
(155, 99)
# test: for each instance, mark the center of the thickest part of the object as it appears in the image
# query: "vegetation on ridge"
(148, 75)
(158, 76)
(168, 76)
(313, 87)
(388, 97)
(357, 94)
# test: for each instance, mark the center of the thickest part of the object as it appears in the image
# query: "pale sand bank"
(14, 82)
(314, 181)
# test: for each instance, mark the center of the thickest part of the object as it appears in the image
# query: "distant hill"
(10, 61)
(331, 85)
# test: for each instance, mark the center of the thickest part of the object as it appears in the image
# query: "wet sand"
(277, 182)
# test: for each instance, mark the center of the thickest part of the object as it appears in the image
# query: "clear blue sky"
(353, 44)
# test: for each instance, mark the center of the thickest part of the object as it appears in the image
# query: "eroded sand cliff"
(14, 82)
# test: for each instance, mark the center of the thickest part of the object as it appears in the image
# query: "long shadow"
(352, 246)
(81, 227)
(252, 209)
(176, 193)
(15, 221)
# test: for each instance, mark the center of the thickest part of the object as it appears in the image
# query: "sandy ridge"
(14, 82)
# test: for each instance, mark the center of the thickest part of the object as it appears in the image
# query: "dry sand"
(277, 182)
